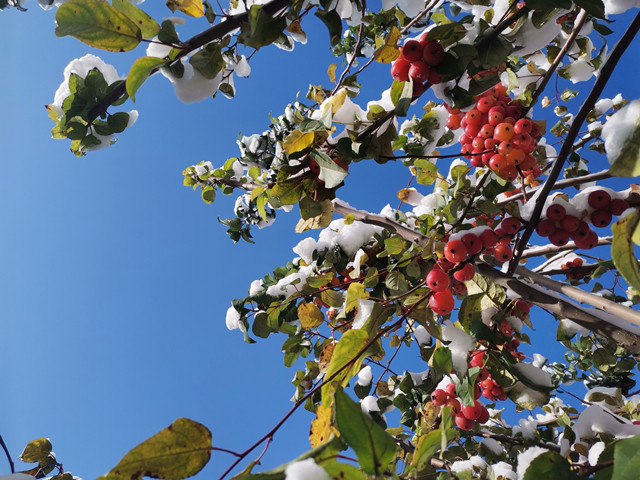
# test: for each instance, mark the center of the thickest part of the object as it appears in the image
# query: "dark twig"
(6, 452)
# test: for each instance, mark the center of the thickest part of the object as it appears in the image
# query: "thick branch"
(624, 313)
(539, 251)
(567, 146)
(563, 308)
(217, 32)
(570, 182)
(384, 222)
(6, 452)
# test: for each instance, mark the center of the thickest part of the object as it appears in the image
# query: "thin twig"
(6, 452)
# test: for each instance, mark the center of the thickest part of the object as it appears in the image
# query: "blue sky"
(116, 278)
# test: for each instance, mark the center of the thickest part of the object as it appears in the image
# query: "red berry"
(556, 211)
(617, 206)
(400, 69)
(511, 225)
(503, 132)
(503, 253)
(442, 302)
(477, 360)
(559, 238)
(412, 51)
(435, 78)
(466, 273)
(432, 53)
(439, 397)
(438, 280)
(522, 126)
(455, 251)
(489, 238)
(472, 413)
(600, 218)
(472, 242)
(464, 423)
(453, 122)
(570, 223)
(450, 389)
(484, 416)
(589, 241)
(419, 71)
(454, 403)
(599, 199)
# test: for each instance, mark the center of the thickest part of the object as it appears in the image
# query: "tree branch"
(539, 251)
(6, 452)
(567, 146)
(563, 308)
(384, 222)
(217, 32)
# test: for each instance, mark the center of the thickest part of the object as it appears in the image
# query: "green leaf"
(208, 194)
(495, 52)
(401, 95)
(550, 466)
(622, 249)
(139, 72)
(118, 121)
(148, 26)
(168, 34)
(592, 7)
(208, 61)
(333, 22)
(179, 451)
(355, 292)
(36, 450)
(345, 353)
(98, 24)
(331, 173)
(626, 459)
(374, 447)
(261, 29)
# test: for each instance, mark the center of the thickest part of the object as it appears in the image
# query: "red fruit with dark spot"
(442, 302)
(472, 242)
(556, 212)
(503, 253)
(559, 238)
(438, 280)
(489, 238)
(599, 199)
(473, 412)
(412, 51)
(570, 223)
(455, 251)
(600, 218)
(419, 71)
(465, 274)
(400, 69)
(464, 423)
(545, 228)
(484, 416)
(439, 397)
(511, 225)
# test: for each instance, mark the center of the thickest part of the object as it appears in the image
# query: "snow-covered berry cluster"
(417, 61)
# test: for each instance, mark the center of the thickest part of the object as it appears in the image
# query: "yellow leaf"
(335, 102)
(310, 316)
(297, 141)
(193, 8)
(321, 426)
(388, 51)
(332, 72)
(325, 357)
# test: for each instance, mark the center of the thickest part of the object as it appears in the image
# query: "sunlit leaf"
(36, 450)
(148, 26)
(193, 8)
(310, 315)
(374, 447)
(388, 50)
(355, 292)
(179, 451)
(139, 72)
(622, 252)
(346, 359)
(297, 141)
(321, 426)
(97, 23)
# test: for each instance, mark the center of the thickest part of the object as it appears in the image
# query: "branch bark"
(563, 308)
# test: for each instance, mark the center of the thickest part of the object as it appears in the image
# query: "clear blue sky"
(115, 278)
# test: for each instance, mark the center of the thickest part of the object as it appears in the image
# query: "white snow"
(422, 336)
(233, 319)
(504, 470)
(525, 458)
(614, 7)
(461, 343)
(619, 127)
(493, 446)
(595, 419)
(369, 404)
(527, 427)
(365, 307)
(364, 376)
(595, 451)
(306, 469)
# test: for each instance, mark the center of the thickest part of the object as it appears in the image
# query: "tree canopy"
(519, 214)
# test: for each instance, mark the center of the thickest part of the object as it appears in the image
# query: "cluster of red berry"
(563, 221)
(576, 262)
(496, 135)
(417, 60)
(465, 416)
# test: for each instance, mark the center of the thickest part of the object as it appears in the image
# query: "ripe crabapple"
(455, 251)
(412, 51)
(439, 397)
(464, 423)
(465, 274)
(400, 69)
(599, 199)
(438, 280)
(442, 302)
